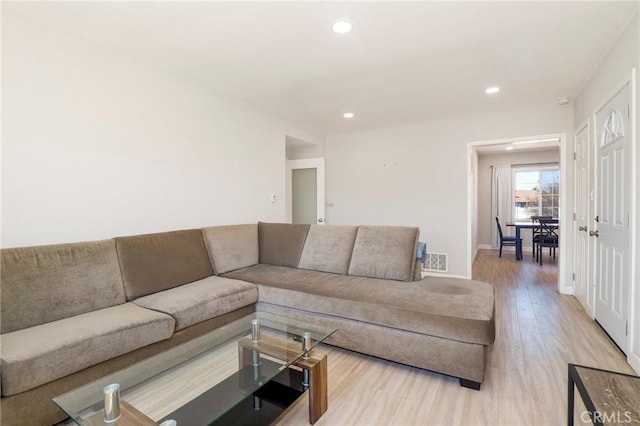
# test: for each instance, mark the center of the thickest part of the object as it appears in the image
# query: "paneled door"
(305, 191)
(612, 228)
(582, 268)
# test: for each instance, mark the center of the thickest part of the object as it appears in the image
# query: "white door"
(583, 289)
(612, 229)
(305, 191)
(304, 195)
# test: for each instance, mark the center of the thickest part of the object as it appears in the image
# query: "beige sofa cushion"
(157, 262)
(47, 283)
(281, 243)
(232, 247)
(199, 301)
(40, 354)
(387, 252)
(328, 248)
(457, 309)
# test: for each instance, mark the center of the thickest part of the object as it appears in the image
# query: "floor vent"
(437, 262)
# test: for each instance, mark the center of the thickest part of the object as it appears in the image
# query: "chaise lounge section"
(72, 313)
(359, 281)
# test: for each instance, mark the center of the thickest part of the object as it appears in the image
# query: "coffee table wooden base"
(315, 365)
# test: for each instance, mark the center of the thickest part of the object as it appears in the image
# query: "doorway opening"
(305, 182)
(534, 169)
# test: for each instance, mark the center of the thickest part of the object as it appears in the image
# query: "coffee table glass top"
(212, 373)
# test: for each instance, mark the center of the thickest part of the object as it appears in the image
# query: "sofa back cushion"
(387, 252)
(48, 283)
(328, 248)
(155, 262)
(232, 247)
(281, 243)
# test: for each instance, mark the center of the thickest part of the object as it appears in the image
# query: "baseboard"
(526, 249)
(634, 361)
(443, 275)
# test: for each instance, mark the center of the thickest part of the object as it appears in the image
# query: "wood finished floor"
(538, 331)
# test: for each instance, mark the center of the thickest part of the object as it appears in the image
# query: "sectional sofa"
(72, 313)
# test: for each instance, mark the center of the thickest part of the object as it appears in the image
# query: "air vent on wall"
(436, 262)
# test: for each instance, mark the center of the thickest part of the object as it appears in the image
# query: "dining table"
(528, 224)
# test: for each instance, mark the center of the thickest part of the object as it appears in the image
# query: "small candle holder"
(255, 330)
(111, 403)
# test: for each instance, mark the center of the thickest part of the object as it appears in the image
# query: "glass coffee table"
(246, 372)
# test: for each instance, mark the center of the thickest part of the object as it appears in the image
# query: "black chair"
(547, 238)
(509, 241)
(535, 234)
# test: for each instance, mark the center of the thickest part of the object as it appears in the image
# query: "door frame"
(307, 163)
(633, 355)
(565, 285)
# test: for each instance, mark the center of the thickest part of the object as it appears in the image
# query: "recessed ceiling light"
(348, 115)
(341, 27)
(492, 90)
(563, 101)
(509, 148)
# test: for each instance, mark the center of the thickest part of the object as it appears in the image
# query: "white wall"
(485, 161)
(303, 146)
(614, 70)
(95, 145)
(416, 174)
(304, 152)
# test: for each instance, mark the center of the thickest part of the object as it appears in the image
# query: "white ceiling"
(403, 62)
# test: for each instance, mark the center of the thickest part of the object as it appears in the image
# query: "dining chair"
(535, 233)
(547, 238)
(509, 241)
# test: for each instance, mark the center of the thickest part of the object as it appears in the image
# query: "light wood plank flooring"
(538, 332)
